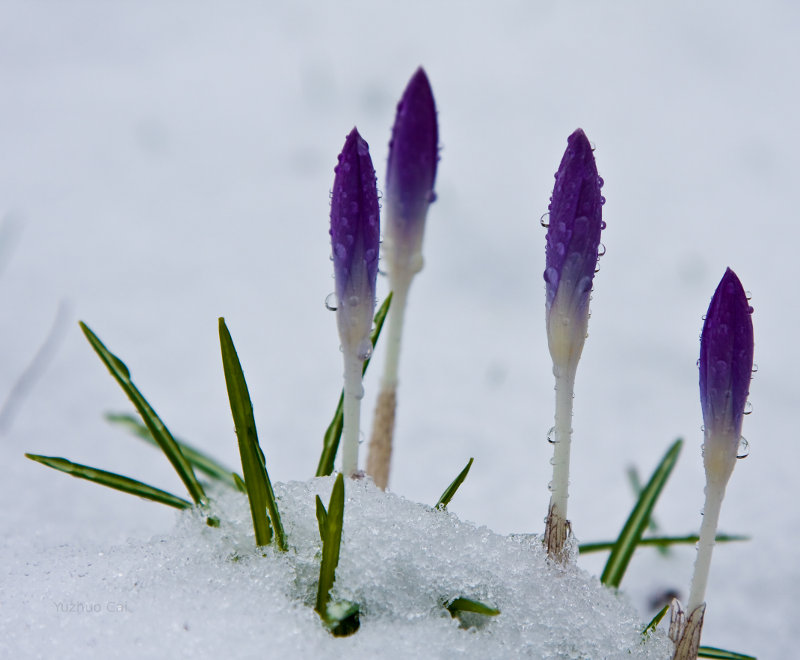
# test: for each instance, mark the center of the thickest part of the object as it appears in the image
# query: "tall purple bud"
(573, 239)
(355, 237)
(410, 175)
(726, 365)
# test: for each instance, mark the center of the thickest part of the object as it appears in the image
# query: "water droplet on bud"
(364, 350)
(748, 408)
(545, 220)
(744, 448)
(331, 302)
(551, 435)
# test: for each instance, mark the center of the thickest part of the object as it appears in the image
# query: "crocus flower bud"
(410, 175)
(726, 364)
(355, 237)
(573, 239)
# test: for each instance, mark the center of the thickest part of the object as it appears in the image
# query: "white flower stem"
(380, 445)
(556, 531)
(715, 491)
(353, 393)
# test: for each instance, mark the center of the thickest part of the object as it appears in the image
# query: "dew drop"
(432, 197)
(748, 408)
(744, 448)
(551, 276)
(364, 351)
(545, 220)
(602, 224)
(600, 182)
(748, 295)
(602, 200)
(601, 250)
(550, 486)
(551, 435)
(331, 302)
(353, 301)
(597, 268)
(755, 368)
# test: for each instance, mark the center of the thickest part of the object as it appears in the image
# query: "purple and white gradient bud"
(726, 364)
(573, 239)
(355, 240)
(410, 176)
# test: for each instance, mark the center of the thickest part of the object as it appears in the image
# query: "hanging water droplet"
(550, 486)
(552, 460)
(545, 220)
(744, 448)
(551, 435)
(597, 268)
(364, 350)
(748, 295)
(331, 302)
(601, 250)
(602, 224)
(748, 408)
(755, 367)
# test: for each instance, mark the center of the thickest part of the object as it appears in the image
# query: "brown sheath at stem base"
(556, 532)
(686, 632)
(380, 445)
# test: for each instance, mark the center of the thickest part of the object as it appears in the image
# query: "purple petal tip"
(726, 357)
(355, 227)
(575, 223)
(413, 151)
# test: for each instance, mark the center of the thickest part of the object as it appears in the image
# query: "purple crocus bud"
(573, 239)
(726, 364)
(410, 175)
(355, 237)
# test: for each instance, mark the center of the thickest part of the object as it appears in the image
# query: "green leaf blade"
(462, 604)
(256, 477)
(722, 654)
(448, 493)
(197, 459)
(153, 422)
(660, 542)
(111, 480)
(333, 434)
(331, 544)
(637, 522)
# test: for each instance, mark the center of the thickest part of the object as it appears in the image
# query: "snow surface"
(207, 593)
(168, 163)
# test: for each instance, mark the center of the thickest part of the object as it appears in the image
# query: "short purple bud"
(355, 238)
(726, 364)
(573, 240)
(410, 174)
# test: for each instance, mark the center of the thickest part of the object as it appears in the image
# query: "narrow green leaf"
(660, 541)
(636, 486)
(331, 542)
(634, 527)
(239, 483)
(111, 480)
(322, 516)
(333, 434)
(650, 627)
(469, 605)
(721, 654)
(153, 422)
(448, 493)
(256, 478)
(198, 459)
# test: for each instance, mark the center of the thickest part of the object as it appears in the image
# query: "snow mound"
(208, 593)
